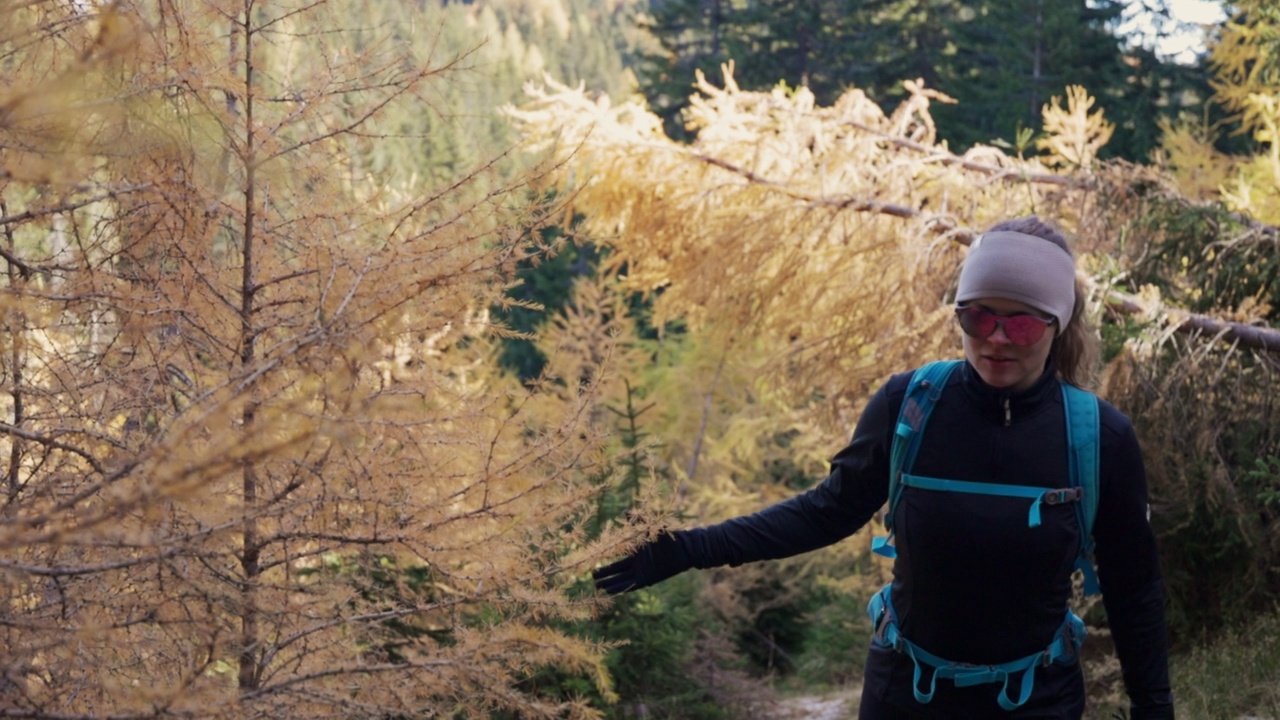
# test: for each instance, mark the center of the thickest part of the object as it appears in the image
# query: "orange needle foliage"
(257, 462)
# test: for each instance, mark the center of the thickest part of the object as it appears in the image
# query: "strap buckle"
(884, 636)
(1060, 497)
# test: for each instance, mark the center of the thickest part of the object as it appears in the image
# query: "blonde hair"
(1075, 349)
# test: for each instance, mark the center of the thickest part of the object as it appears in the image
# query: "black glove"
(651, 563)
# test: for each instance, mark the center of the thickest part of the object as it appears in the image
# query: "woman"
(978, 591)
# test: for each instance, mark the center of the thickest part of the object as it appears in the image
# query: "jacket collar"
(991, 399)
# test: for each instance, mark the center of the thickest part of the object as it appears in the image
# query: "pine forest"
(342, 340)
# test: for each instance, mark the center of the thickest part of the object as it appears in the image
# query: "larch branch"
(949, 158)
(1252, 336)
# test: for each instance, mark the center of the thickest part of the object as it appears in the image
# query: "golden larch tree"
(259, 463)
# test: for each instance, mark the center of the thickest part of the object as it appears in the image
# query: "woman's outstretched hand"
(651, 563)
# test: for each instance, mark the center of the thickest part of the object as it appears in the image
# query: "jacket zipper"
(1008, 413)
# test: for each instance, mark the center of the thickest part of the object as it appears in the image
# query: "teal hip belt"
(1062, 649)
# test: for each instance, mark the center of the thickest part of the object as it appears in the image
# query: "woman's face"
(999, 362)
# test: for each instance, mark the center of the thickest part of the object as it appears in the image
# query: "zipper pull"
(1008, 413)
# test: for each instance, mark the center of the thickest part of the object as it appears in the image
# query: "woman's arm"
(856, 487)
(1129, 571)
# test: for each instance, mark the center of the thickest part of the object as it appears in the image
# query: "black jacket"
(972, 582)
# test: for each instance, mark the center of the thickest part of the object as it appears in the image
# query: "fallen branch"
(1252, 336)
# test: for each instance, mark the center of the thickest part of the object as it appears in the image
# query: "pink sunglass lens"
(1023, 329)
(977, 322)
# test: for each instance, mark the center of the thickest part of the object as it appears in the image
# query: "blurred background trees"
(342, 339)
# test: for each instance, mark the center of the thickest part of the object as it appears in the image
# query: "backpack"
(923, 391)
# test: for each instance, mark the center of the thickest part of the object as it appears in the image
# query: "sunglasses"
(1023, 329)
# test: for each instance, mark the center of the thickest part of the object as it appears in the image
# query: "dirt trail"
(841, 705)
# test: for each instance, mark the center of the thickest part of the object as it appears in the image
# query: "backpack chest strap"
(1082, 424)
(1040, 495)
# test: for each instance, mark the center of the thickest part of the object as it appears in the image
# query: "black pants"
(871, 708)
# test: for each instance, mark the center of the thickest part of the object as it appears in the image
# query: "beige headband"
(1026, 268)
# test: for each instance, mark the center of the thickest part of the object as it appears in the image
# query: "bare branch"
(69, 571)
(49, 442)
(71, 206)
(37, 715)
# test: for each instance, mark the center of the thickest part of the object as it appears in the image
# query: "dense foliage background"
(343, 339)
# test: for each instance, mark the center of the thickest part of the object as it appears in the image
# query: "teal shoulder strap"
(1083, 458)
(922, 393)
